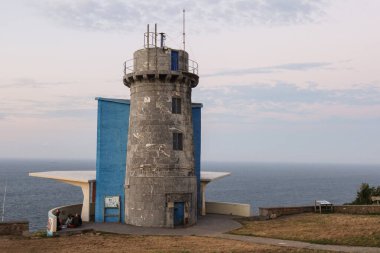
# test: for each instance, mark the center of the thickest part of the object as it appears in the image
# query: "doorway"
(174, 60)
(179, 213)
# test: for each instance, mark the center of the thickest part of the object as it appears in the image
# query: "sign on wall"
(112, 202)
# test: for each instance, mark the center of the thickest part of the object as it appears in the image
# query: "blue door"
(179, 211)
(174, 60)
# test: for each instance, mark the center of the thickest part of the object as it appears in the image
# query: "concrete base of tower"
(161, 201)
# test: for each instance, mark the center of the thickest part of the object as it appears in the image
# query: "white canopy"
(84, 176)
(87, 176)
(86, 179)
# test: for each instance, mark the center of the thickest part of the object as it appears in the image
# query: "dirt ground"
(95, 242)
(342, 229)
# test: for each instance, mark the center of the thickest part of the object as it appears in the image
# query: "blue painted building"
(111, 155)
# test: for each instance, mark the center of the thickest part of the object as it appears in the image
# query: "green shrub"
(363, 196)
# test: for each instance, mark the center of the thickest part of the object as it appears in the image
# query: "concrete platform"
(210, 225)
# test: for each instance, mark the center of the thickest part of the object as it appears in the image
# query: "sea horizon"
(258, 184)
(202, 162)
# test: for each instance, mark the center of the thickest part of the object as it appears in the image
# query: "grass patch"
(40, 234)
(99, 243)
(339, 229)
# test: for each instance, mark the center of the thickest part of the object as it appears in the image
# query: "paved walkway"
(209, 225)
(214, 225)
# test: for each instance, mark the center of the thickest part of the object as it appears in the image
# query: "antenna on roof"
(163, 38)
(5, 193)
(183, 30)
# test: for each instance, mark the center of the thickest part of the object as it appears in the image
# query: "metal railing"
(150, 40)
(193, 67)
(129, 66)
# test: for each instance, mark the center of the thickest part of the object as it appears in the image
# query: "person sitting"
(69, 219)
(75, 222)
(56, 213)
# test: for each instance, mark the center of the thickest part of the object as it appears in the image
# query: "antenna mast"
(5, 193)
(183, 30)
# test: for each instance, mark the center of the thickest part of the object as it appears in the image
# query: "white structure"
(84, 179)
(87, 181)
(207, 177)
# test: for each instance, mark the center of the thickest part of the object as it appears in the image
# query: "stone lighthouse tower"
(160, 184)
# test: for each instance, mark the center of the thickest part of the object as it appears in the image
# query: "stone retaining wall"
(14, 227)
(358, 209)
(274, 212)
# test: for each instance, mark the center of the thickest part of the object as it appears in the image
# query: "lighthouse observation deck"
(191, 66)
(160, 62)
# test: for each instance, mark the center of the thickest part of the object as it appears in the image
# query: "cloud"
(69, 107)
(271, 69)
(2, 115)
(290, 93)
(28, 82)
(71, 113)
(285, 92)
(127, 14)
(83, 114)
(287, 102)
(279, 12)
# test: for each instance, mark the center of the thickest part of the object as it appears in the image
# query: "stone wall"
(14, 227)
(158, 174)
(274, 212)
(358, 209)
(158, 59)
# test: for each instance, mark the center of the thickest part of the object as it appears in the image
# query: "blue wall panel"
(196, 111)
(113, 123)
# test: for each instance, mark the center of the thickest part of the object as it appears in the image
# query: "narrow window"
(176, 105)
(177, 141)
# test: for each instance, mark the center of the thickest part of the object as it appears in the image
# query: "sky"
(280, 80)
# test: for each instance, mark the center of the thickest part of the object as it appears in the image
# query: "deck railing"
(128, 66)
(193, 67)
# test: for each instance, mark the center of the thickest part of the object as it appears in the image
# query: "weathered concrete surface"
(237, 209)
(159, 59)
(210, 225)
(14, 227)
(157, 176)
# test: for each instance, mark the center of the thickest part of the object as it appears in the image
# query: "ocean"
(259, 184)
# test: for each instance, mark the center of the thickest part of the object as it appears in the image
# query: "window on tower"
(176, 105)
(177, 141)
